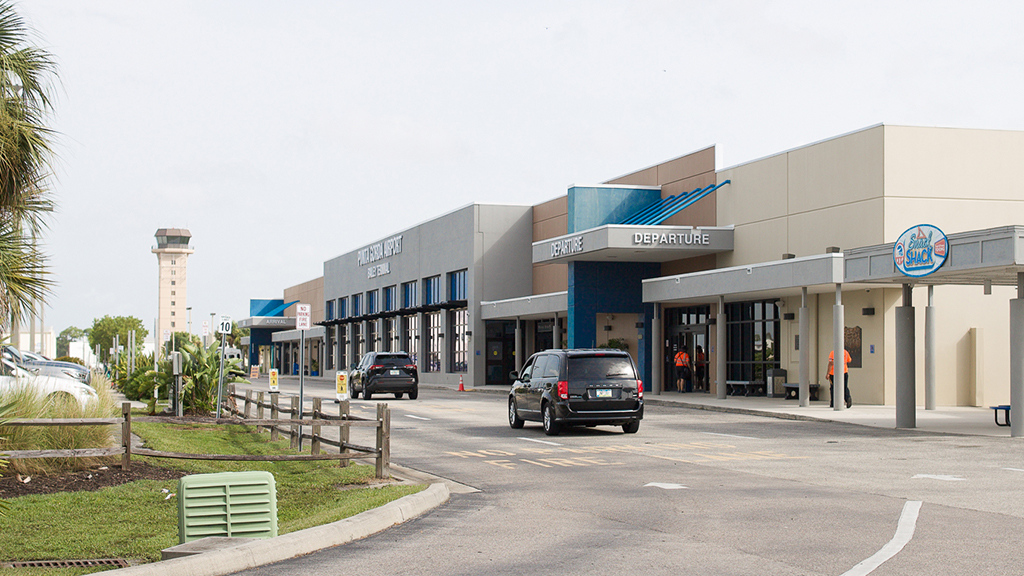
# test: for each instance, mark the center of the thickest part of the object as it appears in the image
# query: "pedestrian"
(682, 370)
(700, 363)
(846, 378)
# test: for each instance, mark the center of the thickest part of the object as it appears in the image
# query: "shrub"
(71, 359)
(200, 372)
(616, 343)
(28, 403)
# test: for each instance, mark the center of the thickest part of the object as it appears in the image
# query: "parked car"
(13, 377)
(44, 367)
(385, 372)
(577, 388)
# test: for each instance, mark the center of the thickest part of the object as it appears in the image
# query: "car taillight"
(639, 388)
(410, 366)
(376, 367)
(563, 390)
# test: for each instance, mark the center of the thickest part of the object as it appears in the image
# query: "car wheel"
(355, 394)
(367, 394)
(631, 427)
(513, 415)
(398, 395)
(414, 393)
(551, 427)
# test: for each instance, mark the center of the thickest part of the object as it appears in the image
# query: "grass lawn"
(135, 520)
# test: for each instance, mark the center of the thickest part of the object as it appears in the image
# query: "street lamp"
(212, 314)
(189, 310)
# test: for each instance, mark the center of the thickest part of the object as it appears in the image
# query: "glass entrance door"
(686, 329)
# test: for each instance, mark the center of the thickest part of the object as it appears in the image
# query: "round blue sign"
(921, 250)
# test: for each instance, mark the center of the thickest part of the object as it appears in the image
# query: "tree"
(104, 329)
(179, 338)
(67, 336)
(25, 166)
(235, 338)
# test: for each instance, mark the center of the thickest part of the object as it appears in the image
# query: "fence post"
(248, 402)
(126, 435)
(383, 441)
(296, 414)
(343, 428)
(259, 409)
(274, 414)
(314, 447)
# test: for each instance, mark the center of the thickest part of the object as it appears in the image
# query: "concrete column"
(906, 377)
(720, 348)
(556, 334)
(805, 350)
(838, 352)
(657, 346)
(519, 345)
(929, 351)
(1017, 360)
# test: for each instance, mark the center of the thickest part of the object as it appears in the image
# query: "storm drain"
(118, 562)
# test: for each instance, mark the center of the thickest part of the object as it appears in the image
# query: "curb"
(253, 554)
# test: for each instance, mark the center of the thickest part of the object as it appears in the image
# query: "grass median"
(136, 520)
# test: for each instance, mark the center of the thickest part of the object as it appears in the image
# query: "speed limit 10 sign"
(225, 325)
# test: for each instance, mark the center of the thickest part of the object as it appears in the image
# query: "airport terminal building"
(757, 271)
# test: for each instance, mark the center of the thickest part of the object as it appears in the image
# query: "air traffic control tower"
(172, 252)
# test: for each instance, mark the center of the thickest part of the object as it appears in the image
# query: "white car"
(13, 377)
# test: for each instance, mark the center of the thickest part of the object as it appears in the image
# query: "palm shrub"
(5, 409)
(200, 370)
(25, 402)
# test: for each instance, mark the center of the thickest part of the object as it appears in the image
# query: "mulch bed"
(93, 479)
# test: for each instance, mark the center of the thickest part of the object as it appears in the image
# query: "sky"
(282, 134)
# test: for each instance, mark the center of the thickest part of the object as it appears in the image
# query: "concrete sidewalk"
(944, 419)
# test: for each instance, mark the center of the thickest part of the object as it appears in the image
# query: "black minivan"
(577, 388)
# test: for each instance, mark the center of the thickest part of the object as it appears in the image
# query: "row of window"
(349, 343)
(388, 299)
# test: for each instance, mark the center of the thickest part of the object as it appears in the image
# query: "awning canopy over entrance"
(621, 243)
(540, 306)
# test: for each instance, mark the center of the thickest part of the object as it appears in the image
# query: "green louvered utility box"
(239, 504)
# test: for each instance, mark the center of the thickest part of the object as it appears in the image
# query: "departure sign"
(920, 251)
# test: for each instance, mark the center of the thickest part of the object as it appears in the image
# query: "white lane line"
(731, 435)
(416, 417)
(944, 477)
(665, 486)
(539, 441)
(1014, 469)
(904, 532)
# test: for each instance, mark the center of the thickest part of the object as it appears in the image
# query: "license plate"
(604, 393)
(395, 372)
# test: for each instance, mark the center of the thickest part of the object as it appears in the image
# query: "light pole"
(189, 310)
(212, 314)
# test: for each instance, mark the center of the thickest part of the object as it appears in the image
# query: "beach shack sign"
(920, 250)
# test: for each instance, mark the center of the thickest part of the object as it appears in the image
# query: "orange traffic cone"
(461, 387)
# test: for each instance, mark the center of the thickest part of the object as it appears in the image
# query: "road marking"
(1014, 469)
(945, 477)
(416, 417)
(904, 532)
(730, 435)
(539, 441)
(665, 486)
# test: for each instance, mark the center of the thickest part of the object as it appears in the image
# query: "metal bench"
(745, 387)
(1005, 408)
(793, 391)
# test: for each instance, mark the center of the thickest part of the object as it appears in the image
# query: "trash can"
(776, 383)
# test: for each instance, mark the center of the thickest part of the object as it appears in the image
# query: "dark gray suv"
(385, 372)
(577, 388)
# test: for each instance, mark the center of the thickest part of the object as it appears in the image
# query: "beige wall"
(550, 219)
(312, 293)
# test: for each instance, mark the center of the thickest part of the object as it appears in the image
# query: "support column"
(556, 334)
(519, 345)
(906, 377)
(929, 351)
(720, 351)
(657, 345)
(1017, 360)
(838, 352)
(805, 351)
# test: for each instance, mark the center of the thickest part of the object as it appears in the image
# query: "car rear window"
(394, 360)
(600, 368)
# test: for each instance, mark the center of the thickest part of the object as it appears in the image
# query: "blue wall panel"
(592, 207)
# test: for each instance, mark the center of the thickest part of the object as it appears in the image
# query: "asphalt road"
(693, 492)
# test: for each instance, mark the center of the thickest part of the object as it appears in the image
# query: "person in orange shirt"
(682, 370)
(846, 378)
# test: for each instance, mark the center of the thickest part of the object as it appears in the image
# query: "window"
(172, 292)
(459, 340)
(173, 272)
(410, 336)
(389, 299)
(371, 302)
(751, 335)
(389, 337)
(172, 324)
(433, 320)
(457, 285)
(172, 282)
(172, 312)
(329, 310)
(357, 309)
(409, 295)
(342, 307)
(432, 290)
(172, 302)
(371, 336)
(172, 262)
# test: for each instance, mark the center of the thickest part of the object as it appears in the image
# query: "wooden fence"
(318, 419)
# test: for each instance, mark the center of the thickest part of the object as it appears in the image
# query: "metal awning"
(539, 306)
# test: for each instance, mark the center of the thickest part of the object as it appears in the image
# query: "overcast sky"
(282, 134)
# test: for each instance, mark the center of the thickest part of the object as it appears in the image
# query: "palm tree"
(25, 161)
